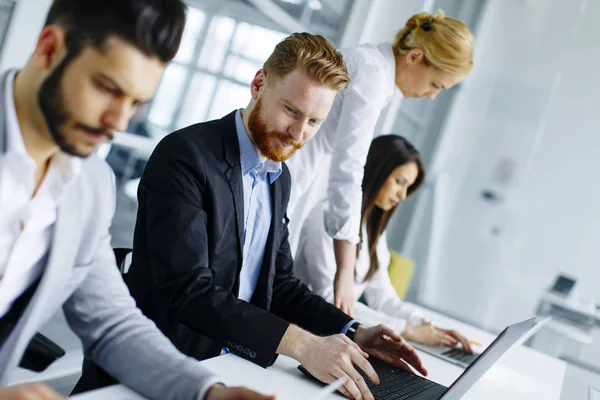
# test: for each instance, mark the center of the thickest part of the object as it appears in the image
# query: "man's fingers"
(350, 389)
(359, 382)
(405, 351)
(342, 389)
(332, 378)
(365, 366)
(388, 357)
(409, 354)
(356, 346)
(399, 363)
(389, 332)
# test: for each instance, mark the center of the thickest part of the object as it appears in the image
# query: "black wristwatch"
(351, 332)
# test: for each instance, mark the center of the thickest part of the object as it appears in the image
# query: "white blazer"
(346, 135)
(315, 265)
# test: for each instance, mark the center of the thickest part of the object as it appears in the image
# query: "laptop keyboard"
(460, 355)
(397, 385)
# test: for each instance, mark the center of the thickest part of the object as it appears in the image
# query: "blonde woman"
(431, 53)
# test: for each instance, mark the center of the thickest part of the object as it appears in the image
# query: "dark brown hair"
(386, 153)
(155, 27)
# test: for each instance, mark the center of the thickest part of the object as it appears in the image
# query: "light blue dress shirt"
(257, 177)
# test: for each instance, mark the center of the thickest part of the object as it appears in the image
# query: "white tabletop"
(521, 374)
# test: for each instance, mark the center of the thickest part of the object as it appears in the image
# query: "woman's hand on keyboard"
(427, 333)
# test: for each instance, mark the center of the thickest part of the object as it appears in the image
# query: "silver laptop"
(398, 384)
(457, 356)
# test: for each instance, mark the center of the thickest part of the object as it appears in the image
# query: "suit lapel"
(234, 173)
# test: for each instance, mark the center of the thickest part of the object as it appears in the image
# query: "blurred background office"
(511, 200)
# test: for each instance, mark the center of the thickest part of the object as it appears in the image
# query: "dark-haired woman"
(393, 172)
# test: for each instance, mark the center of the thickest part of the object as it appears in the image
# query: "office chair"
(401, 270)
(41, 352)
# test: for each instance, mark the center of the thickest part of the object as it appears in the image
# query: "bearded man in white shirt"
(93, 63)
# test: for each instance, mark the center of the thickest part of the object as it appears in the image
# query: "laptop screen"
(479, 367)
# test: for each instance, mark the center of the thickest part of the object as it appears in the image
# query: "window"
(211, 74)
(225, 42)
(6, 11)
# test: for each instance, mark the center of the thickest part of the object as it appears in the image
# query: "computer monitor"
(563, 285)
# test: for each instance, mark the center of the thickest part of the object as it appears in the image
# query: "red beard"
(266, 141)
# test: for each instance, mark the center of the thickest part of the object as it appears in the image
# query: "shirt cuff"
(342, 228)
(347, 326)
(415, 318)
(207, 384)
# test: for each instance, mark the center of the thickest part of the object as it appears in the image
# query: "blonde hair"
(314, 55)
(446, 42)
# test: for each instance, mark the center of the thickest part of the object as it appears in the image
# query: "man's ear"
(257, 84)
(50, 47)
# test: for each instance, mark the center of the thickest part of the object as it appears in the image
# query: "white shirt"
(315, 265)
(346, 134)
(24, 251)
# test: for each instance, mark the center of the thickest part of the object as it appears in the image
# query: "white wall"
(26, 24)
(530, 101)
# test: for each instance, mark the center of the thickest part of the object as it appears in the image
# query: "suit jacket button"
(246, 351)
(252, 354)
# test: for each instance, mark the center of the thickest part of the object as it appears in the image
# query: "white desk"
(522, 374)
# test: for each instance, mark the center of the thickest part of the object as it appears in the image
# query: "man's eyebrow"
(289, 103)
(111, 81)
(117, 87)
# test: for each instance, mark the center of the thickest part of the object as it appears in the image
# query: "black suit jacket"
(188, 252)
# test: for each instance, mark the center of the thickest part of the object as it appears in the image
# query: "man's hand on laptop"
(427, 333)
(330, 358)
(384, 343)
(29, 391)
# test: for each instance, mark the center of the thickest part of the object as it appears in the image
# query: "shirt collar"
(390, 64)
(68, 166)
(249, 155)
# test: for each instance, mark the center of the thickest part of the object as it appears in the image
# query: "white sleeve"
(303, 168)
(315, 262)
(361, 107)
(381, 295)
